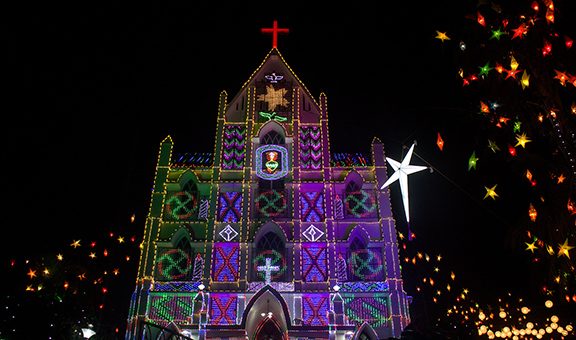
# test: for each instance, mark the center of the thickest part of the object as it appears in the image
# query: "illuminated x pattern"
(366, 264)
(234, 143)
(314, 263)
(173, 264)
(223, 309)
(271, 203)
(181, 205)
(226, 262)
(230, 209)
(360, 204)
(315, 310)
(167, 307)
(310, 148)
(373, 310)
(312, 206)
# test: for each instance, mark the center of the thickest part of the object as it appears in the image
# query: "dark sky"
(89, 93)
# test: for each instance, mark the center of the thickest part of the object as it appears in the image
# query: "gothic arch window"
(272, 137)
(183, 205)
(270, 246)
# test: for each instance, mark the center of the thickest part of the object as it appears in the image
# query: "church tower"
(272, 236)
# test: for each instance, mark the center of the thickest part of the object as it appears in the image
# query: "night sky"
(89, 93)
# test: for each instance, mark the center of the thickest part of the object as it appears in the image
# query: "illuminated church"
(271, 236)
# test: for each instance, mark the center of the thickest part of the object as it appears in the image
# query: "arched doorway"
(269, 330)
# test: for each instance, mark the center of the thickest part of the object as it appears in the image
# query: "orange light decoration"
(75, 244)
(499, 68)
(529, 175)
(105, 252)
(120, 239)
(532, 213)
(484, 108)
(571, 207)
(573, 108)
(60, 257)
(550, 15)
(513, 64)
(520, 32)
(31, 273)
(481, 19)
(440, 142)
(442, 36)
(132, 218)
(562, 77)
(66, 285)
(535, 6)
(564, 249)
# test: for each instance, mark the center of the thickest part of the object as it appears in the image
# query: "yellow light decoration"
(525, 81)
(132, 218)
(554, 318)
(491, 192)
(554, 325)
(529, 325)
(548, 304)
(120, 239)
(502, 314)
(484, 108)
(564, 249)
(452, 276)
(522, 140)
(531, 247)
(550, 250)
(442, 36)
(569, 328)
(560, 179)
(481, 316)
(525, 310)
(59, 257)
(46, 271)
(31, 273)
(75, 244)
(92, 255)
(513, 64)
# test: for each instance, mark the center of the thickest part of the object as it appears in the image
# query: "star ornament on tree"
(401, 172)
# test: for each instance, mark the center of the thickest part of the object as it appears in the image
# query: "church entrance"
(269, 330)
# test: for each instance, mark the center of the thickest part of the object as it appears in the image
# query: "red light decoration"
(535, 6)
(440, 142)
(481, 20)
(547, 49)
(274, 31)
(568, 41)
(512, 150)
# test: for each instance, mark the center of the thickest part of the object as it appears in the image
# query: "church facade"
(272, 236)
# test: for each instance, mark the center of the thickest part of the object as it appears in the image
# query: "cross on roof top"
(275, 30)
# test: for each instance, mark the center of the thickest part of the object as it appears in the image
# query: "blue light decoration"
(361, 287)
(223, 309)
(271, 162)
(312, 206)
(315, 309)
(226, 262)
(314, 263)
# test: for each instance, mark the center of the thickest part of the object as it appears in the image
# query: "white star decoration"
(402, 170)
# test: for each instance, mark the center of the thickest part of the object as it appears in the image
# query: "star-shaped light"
(82, 276)
(402, 170)
(440, 142)
(116, 271)
(120, 239)
(274, 97)
(472, 161)
(520, 32)
(522, 140)
(60, 257)
(31, 273)
(517, 126)
(75, 244)
(491, 192)
(92, 255)
(564, 249)
(46, 271)
(561, 76)
(484, 70)
(442, 36)
(531, 246)
(560, 179)
(512, 73)
(493, 146)
(496, 34)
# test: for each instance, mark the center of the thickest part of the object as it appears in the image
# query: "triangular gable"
(279, 93)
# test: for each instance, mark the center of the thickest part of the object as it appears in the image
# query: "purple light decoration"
(234, 151)
(226, 262)
(230, 209)
(373, 310)
(315, 310)
(314, 263)
(223, 309)
(310, 148)
(312, 206)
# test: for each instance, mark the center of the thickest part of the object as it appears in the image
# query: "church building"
(273, 235)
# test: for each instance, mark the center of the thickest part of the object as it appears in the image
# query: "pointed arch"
(365, 332)
(353, 181)
(186, 177)
(358, 232)
(271, 242)
(265, 135)
(182, 234)
(270, 227)
(265, 300)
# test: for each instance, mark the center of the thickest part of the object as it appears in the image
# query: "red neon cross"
(275, 30)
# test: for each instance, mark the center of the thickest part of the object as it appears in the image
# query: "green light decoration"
(174, 264)
(372, 310)
(168, 307)
(271, 203)
(497, 34)
(272, 116)
(181, 205)
(484, 70)
(517, 126)
(472, 161)
(366, 264)
(275, 259)
(360, 204)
